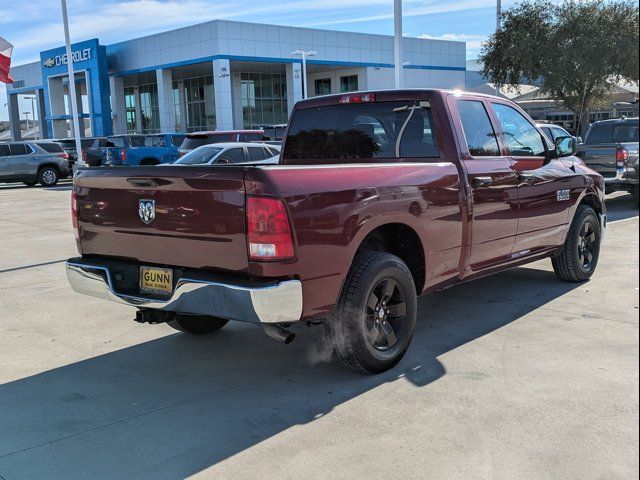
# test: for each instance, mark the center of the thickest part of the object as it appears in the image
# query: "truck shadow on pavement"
(171, 407)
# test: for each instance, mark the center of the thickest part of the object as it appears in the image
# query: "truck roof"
(387, 95)
(617, 120)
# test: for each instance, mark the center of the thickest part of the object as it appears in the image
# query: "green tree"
(577, 51)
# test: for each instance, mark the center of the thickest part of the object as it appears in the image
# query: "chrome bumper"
(277, 302)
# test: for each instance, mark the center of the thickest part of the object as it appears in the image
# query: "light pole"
(26, 115)
(33, 110)
(498, 24)
(72, 86)
(397, 42)
(304, 54)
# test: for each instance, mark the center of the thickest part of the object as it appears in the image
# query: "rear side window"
(4, 151)
(625, 133)
(481, 138)
(115, 142)
(136, 141)
(600, 133)
(362, 132)
(257, 153)
(176, 140)
(194, 141)
(19, 149)
(251, 137)
(233, 155)
(85, 142)
(51, 147)
(154, 141)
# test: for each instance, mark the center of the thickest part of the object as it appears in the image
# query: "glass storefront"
(264, 99)
(130, 109)
(200, 103)
(149, 108)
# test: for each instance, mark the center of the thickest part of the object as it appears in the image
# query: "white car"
(231, 153)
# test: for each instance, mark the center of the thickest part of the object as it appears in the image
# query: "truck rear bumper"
(268, 302)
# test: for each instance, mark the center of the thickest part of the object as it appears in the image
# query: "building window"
(130, 109)
(349, 83)
(264, 99)
(323, 86)
(200, 103)
(149, 110)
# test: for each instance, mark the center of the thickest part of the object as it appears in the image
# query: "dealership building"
(216, 75)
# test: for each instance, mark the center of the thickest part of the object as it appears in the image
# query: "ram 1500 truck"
(611, 149)
(379, 197)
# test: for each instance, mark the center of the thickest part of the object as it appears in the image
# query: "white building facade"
(218, 75)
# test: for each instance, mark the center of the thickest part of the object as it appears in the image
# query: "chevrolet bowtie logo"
(49, 62)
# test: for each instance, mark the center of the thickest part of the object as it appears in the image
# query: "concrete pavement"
(515, 376)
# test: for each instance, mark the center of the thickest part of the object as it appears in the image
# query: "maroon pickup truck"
(379, 197)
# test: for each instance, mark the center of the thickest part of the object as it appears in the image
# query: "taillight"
(84, 156)
(358, 98)
(64, 155)
(268, 230)
(123, 154)
(622, 157)
(74, 214)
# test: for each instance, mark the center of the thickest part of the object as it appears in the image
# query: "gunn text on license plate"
(156, 280)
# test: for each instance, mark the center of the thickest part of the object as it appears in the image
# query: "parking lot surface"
(514, 376)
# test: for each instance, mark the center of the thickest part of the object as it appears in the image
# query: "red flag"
(5, 61)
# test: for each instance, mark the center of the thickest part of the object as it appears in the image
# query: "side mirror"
(566, 147)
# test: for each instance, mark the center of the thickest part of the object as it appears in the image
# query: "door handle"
(482, 181)
(526, 177)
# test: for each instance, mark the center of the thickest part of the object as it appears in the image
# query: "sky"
(36, 25)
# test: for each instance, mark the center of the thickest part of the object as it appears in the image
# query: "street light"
(304, 54)
(33, 109)
(26, 115)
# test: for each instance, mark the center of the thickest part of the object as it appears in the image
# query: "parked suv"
(611, 149)
(197, 139)
(33, 162)
(69, 146)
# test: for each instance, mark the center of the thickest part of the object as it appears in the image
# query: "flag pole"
(72, 87)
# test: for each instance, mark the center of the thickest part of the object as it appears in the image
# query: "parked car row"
(43, 162)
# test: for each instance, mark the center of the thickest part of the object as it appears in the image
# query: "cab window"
(154, 141)
(520, 135)
(481, 138)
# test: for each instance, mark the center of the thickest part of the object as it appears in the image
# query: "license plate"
(156, 280)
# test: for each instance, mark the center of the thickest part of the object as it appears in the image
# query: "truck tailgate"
(199, 219)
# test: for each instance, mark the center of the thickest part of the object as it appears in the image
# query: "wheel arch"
(399, 239)
(149, 161)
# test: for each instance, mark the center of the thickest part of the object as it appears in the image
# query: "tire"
(48, 176)
(30, 183)
(636, 194)
(148, 162)
(578, 259)
(196, 324)
(362, 339)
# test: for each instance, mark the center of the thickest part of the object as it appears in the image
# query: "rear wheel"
(196, 324)
(373, 323)
(636, 194)
(578, 259)
(48, 176)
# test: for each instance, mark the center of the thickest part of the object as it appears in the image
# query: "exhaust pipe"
(153, 317)
(278, 333)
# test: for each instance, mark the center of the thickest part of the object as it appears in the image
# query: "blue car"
(141, 149)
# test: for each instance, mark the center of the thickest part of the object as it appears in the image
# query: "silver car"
(33, 162)
(232, 153)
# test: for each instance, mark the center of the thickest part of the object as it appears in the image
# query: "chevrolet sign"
(77, 55)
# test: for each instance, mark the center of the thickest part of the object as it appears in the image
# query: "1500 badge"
(563, 195)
